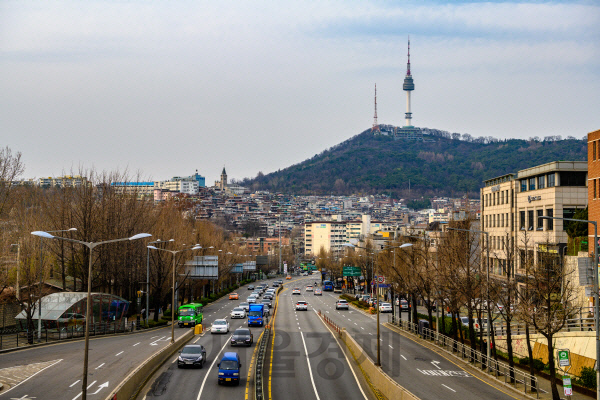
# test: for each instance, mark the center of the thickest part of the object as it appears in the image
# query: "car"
(267, 309)
(238, 312)
(385, 307)
(275, 284)
(267, 302)
(251, 299)
(193, 355)
(245, 305)
(341, 305)
(296, 291)
(268, 296)
(234, 296)
(301, 306)
(250, 287)
(305, 274)
(318, 292)
(288, 277)
(229, 368)
(220, 326)
(242, 336)
(309, 288)
(257, 293)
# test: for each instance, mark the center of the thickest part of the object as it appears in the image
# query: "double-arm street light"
(91, 246)
(489, 317)
(174, 253)
(42, 278)
(148, 275)
(378, 363)
(595, 291)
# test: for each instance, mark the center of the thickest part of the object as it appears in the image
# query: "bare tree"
(11, 167)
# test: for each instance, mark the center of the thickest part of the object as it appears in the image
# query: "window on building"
(595, 188)
(530, 220)
(568, 178)
(502, 197)
(507, 221)
(522, 220)
(541, 182)
(532, 183)
(540, 221)
(523, 185)
(502, 220)
(549, 222)
(594, 151)
(551, 180)
(494, 221)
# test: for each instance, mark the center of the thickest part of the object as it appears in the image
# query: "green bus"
(190, 314)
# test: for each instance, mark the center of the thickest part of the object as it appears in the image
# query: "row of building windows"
(538, 182)
(496, 198)
(497, 221)
(531, 219)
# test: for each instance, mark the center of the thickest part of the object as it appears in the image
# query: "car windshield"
(340, 301)
(302, 303)
(192, 350)
(255, 313)
(240, 309)
(186, 312)
(242, 332)
(244, 304)
(229, 364)
(386, 305)
(220, 322)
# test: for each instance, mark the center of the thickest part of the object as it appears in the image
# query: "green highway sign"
(351, 271)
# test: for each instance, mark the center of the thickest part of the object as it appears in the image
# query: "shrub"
(587, 378)
(538, 364)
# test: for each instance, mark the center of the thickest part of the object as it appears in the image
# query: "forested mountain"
(443, 164)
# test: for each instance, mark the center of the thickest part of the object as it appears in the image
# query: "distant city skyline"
(164, 89)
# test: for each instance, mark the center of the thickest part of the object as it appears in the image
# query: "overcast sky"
(163, 88)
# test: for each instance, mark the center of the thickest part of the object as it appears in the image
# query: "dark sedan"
(193, 355)
(242, 336)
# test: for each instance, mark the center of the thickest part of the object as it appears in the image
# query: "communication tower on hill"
(375, 128)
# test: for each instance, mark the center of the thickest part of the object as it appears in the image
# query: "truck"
(189, 315)
(256, 315)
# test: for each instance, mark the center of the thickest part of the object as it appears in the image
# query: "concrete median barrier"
(132, 384)
(378, 379)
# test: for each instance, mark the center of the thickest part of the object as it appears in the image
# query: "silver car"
(238, 312)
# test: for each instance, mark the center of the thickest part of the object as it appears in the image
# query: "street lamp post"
(596, 287)
(148, 277)
(378, 363)
(91, 246)
(489, 317)
(173, 252)
(42, 278)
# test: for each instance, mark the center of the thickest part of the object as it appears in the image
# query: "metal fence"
(14, 337)
(519, 379)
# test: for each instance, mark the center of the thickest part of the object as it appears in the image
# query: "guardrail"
(519, 379)
(259, 392)
(15, 338)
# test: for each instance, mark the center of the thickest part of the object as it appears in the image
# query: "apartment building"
(326, 235)
(512, 206)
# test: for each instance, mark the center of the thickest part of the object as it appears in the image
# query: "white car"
(220, 326)
(301, 306)
(296, 291)
(341, 304)
(385, 307)
(238, 312)
(251, 299)
(245, 305)
(309, 288)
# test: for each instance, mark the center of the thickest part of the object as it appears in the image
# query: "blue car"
(229, 368)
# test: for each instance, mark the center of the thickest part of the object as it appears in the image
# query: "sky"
(156, 89)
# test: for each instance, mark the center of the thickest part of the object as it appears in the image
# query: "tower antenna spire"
(375, 124)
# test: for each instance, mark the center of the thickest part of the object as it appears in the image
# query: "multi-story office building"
(63, 181)
(512, 207)
(326, 235)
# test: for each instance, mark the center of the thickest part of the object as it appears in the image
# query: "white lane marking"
(370, 333)
(390, 346)
(362, 328)
(75, 383)
(448, 388)
(211, 365)
(118, 354)
(136, 344)
(309, 368)
(88, 388)
(355, 324)
(402, 356)
(435, 364)
(12, 387)
(99, 366)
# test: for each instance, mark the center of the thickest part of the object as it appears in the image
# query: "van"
(229, 368)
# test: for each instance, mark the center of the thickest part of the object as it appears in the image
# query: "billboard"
(203, 267)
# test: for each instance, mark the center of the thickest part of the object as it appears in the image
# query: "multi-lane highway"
(304, 360)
